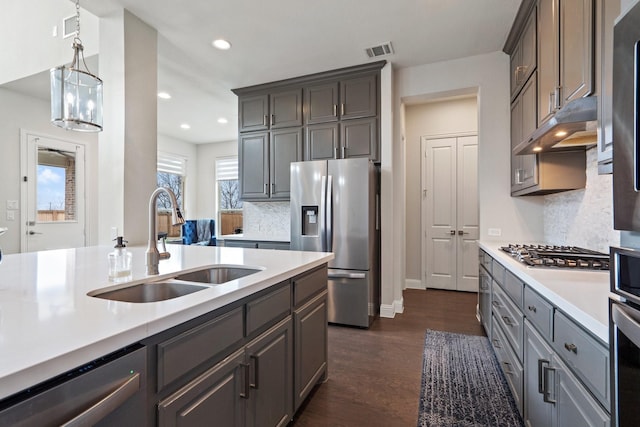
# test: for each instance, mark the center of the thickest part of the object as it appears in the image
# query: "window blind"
(171, 163)
(226, 168)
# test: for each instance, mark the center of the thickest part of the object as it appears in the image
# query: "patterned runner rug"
(462, 384)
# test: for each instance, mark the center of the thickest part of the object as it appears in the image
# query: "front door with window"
(53, 213)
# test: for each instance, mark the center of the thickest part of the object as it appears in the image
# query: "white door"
(450, 213)
(53, 199)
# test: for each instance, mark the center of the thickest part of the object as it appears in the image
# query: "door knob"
(452, 232)
(31, 232)
(460, 232)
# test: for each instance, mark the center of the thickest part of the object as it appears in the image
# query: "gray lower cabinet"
(484, 300)
(269, 396)
(252, 387)
(214, 395)
(310, 325)
(255, 244)
(553, 395)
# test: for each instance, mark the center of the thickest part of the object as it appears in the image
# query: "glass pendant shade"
(76, 99)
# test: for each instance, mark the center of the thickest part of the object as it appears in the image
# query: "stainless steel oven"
(624, 337)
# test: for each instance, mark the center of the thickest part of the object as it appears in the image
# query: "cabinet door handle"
(496, 343)
(557, 96)
(507, 321)
(496, 304)
(273, 188)
(507, 368)
(532, 308)
(264, 120)
(255, 361)
(266, 189)
(541, 378)
(552, 101)
(342, 109)
(344, 152)
(335, 110)
(571, 347)
(273, 119)
(335, 156)
(245, 391)
(547, 393)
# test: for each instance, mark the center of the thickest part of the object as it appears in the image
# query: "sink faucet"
(153, 255)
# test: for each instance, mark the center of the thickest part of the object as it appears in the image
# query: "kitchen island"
(49, 325)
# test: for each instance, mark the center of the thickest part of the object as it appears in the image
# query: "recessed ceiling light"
(185, 126)
(164, 95)
(561, 133)
(537, 149)
(221, 44)
(222, 120)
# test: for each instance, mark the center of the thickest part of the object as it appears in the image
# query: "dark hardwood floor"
(374, 375)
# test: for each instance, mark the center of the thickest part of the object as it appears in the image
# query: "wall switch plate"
(12, 204)
(495, 232)
(11, 215)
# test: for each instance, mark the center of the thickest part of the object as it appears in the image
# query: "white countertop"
(256, 237)
(48, 325)
(581, 294)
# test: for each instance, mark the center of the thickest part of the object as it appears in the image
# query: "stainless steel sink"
(149, 292)
(217, 275)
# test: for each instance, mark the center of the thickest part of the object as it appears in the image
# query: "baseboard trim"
(389, 310)
(413, 284)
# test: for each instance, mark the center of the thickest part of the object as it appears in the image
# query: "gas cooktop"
(558, 256)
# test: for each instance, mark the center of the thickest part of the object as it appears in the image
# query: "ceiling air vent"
(380, 50)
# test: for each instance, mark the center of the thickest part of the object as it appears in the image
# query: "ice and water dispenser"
(310, 221)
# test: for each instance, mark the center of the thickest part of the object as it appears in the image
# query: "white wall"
(28, 46)
(447, 117)
(519, 219)
(24, 112)
(583, 217)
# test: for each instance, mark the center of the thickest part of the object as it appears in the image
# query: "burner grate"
(558, 256)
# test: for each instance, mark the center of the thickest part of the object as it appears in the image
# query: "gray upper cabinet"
(321, 103)
(565, 53)
(609, 10)
(253, 159)
(322, 142)
(548, 58)
(270, 111)
(359, 138)
(358, 97)
(576, 49)
(253, 113)
(285, 108)
(285, 147)
(524, 173)
(265, 159)
(523, 58)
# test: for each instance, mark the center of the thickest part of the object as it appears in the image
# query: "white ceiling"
(279, 39)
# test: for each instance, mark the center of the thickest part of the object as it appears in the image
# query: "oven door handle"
(627, 321)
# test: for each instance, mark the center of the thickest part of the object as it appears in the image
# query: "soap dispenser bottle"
(120, 261)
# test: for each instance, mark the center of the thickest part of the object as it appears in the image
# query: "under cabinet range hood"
(572, 126)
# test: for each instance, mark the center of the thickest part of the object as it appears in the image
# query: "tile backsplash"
(583, 217)
(267, 219)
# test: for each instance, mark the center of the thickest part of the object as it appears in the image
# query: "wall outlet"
(54, 31)
(495, 232)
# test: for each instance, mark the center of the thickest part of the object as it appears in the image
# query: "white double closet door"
(450, 213)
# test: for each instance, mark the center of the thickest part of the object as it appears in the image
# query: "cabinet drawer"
(509, 318)
(586, 356)
(267, 310)
(180, 354)
(539, 312)
(497, 272)
(514, 288)
(308, 285)
(485, 260)
(509, 363)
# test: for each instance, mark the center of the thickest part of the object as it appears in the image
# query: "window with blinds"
(228, 196)
(172, 171)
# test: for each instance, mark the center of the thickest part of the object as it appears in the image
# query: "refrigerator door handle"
(329, 213)
(346, 276)
(323, 213)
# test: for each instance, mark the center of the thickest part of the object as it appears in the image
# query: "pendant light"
(76, 94)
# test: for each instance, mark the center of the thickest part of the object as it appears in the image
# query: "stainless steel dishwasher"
(108, 391)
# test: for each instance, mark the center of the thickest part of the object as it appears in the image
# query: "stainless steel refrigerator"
(335, 208)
